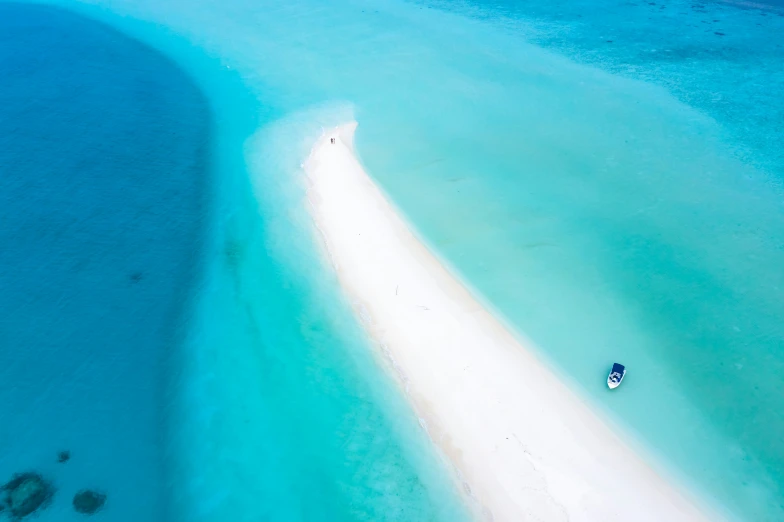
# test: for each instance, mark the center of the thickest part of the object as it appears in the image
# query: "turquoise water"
(606, 175)
(192, 375)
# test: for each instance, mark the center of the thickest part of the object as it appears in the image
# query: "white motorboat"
(616, 376)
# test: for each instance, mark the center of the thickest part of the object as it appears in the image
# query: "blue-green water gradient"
(606, 176)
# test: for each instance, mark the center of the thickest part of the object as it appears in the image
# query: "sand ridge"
(524, 445)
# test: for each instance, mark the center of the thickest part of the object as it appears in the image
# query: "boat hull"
(616, 376)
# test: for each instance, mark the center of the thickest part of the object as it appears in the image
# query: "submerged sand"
(524, 446)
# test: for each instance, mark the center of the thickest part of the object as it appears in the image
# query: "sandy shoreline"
(524, 445)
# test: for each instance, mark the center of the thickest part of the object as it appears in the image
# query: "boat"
(616, 376)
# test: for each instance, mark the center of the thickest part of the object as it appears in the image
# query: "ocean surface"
(606, 175)
(104, 171)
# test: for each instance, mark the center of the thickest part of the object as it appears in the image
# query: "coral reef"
(26, 493)
(88, 501)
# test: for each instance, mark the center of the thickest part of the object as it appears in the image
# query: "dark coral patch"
(88, 501)
(26, 493)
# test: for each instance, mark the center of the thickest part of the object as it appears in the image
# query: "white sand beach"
(524, 445)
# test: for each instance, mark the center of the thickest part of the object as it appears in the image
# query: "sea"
(606, 176)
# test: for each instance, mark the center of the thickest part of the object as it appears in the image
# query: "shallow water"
(626, 226)
(612, 200)
(234, 388)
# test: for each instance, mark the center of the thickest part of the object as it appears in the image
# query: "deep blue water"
(103, 169)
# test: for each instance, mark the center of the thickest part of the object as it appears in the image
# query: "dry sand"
(524, 445)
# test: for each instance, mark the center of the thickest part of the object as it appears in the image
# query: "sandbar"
(523, 445)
